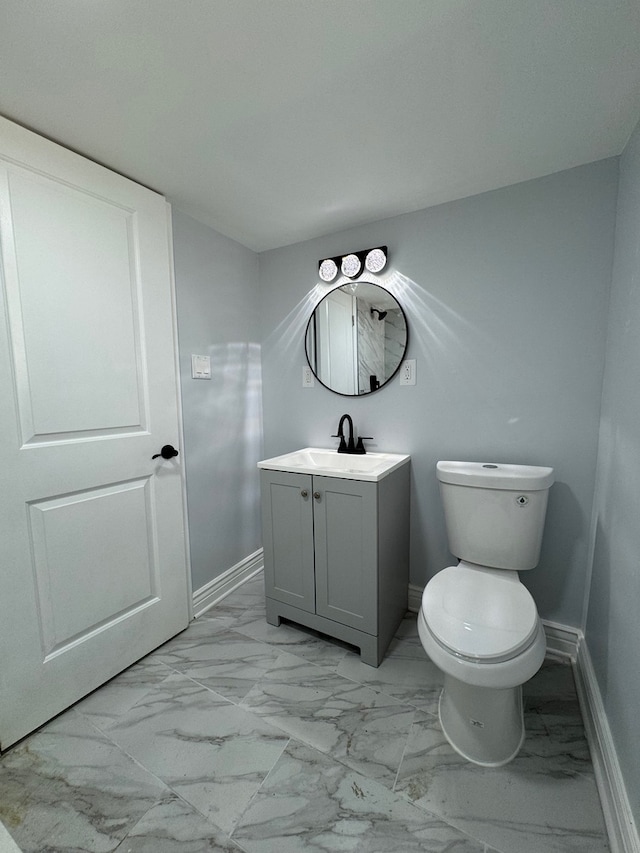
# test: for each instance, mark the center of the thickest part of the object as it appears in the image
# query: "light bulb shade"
(351, 266)
(328, 269)
(376, 260)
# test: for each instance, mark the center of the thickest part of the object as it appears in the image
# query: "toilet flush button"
(522, 500)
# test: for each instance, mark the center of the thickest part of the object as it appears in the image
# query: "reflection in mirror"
(356, 338)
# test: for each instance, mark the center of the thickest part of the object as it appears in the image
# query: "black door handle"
(167, 452)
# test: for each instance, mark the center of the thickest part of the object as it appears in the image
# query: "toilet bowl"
(481, 628)
(477, 622)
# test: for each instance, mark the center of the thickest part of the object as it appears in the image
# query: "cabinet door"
(346, 549)
(287, 532)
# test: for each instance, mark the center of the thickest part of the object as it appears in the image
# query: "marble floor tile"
(239, 737)
(200, 630)
(234, 618)
(245, 604)
(552, 692)
(408, 627)
(310, 802)
(544, 800)
(251, 590)
(212, 753)
(106, 705)
(173, 826)
(409, 677)
(227, 662)
(299, 640)
(364, 729)
(70, 788)
(7, 844)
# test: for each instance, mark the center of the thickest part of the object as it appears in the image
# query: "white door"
(93, 559)
(337, 338)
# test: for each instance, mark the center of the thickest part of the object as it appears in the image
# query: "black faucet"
(345, 447)
(349, 446)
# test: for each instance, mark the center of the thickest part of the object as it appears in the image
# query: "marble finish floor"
(238, 736)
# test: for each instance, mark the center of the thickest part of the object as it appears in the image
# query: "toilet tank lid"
(494, 475)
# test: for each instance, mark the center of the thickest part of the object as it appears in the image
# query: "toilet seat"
(479, 614)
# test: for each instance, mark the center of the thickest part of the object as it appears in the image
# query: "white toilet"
(478, 623)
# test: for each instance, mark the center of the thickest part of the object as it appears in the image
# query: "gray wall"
(216, 291)
(506, 296)
(613, 627)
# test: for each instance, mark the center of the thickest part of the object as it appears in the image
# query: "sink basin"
(330, 463)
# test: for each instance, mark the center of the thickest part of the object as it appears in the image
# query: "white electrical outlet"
(307, 377)
(408, 372)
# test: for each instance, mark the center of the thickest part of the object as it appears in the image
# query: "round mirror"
(356, 338)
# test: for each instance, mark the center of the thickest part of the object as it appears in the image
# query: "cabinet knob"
(316, 495)
(304, 493)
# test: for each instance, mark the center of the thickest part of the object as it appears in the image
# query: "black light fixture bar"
(353, 264)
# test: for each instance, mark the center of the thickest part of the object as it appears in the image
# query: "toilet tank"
(495, 513)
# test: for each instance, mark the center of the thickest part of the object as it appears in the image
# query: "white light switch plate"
(200, 367)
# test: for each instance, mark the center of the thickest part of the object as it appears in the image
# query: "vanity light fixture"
(328, 269)
(376, 259)
(351, 265)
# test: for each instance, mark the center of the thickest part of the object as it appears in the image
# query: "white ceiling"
(274, 121)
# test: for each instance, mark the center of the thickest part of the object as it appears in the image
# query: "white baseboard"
(220, 587)
(623, 833)
(563, 641)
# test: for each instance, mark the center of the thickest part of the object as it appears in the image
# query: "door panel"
(92, 530)
(112, 524)
(87, 283)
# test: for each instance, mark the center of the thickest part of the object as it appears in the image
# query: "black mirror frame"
(406, 345)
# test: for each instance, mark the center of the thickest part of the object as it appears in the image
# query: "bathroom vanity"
(336, 544)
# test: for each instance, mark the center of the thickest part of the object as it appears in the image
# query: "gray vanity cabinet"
(336, 555)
